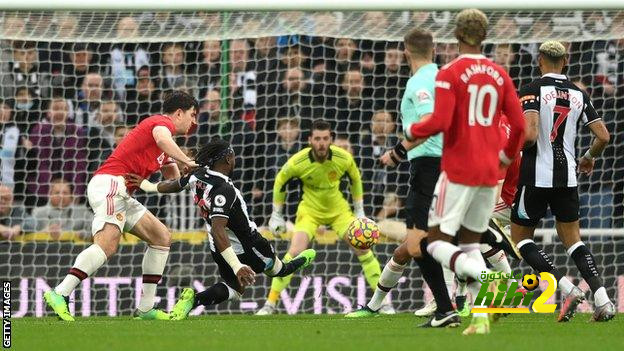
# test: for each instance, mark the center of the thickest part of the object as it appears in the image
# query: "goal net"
(72, 84)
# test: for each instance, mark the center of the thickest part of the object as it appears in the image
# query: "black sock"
(538, 259)
(291, 266)
(213, 295)
(432, 273)
(587, 266)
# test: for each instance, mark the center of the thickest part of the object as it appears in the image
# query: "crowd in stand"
(65, 105)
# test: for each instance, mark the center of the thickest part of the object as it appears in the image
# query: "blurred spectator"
(293, 98)
(265, 57)
(342, 141)
(242, 82)
(14, 25)
(60, 214)
(608, 71)
(80, 63)
(277, 153)
(14, 145)
(377, 180)
(505, 28)
(390, 79)
(121, 131)
(210, 66)
(352, 113)
(27, 108)
(143, 99)
(11, 214)
(505, 56)
(89, 98)
(59, 147)
(126, 58)
(101, 134)
(173, 73)
(445, 53)
(328, 76)
(24, 71)
(294, 56)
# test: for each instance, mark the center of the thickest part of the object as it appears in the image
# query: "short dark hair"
(320, 124)
(419, 42)
(179, 99)
(212, 152)
(23, 45)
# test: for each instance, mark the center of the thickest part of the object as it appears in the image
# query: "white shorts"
(456, 205)
(502, 213)
(109, 199)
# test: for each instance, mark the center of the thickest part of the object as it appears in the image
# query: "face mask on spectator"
(24, 105)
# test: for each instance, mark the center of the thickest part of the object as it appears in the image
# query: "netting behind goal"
(72, 84)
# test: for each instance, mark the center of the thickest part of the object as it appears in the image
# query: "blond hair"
(553, 50)
(471, 26)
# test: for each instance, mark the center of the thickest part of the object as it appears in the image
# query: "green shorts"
(308, 222)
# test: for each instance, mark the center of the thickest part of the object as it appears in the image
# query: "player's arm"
(164, 139)
(601, 134)
(170, 170)
(513, 111)
(277, 224)
(398, 154)
(164, 187)
(529, 100)
(222, 201)
(444, 106)
(357, 190)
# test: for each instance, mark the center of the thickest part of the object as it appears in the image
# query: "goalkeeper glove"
(277, 224)
(358, 209)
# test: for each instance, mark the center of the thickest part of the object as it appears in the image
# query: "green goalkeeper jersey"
(321, 181)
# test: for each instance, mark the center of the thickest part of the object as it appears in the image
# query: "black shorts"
(424, 174)
(258, 255)
(531, 203)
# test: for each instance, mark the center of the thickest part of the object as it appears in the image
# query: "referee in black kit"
(555, 108)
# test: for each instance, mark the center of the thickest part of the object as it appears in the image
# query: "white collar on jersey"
(555, 76)
(472, 56)
(217, 174)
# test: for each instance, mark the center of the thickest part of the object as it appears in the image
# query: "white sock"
(600, 297)
(154, 262)
(462, 288)
(389, 278)
(87, 262)
(566, 285)
(464, 265)
(473, 252)
(498, 261)
(449, 278)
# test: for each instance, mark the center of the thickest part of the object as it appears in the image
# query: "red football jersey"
(471, 93)
(510, 174)
(138, 153)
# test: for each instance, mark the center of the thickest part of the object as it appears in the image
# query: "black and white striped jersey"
(562, 107)
(216, 196)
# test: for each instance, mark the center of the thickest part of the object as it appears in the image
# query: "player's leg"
(565, 208)
(305, 227)
(367, 258)
(229, 289)
(529, 208)
(147, 227)
(107, 204)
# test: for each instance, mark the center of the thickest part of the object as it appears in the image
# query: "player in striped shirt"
(553, 107)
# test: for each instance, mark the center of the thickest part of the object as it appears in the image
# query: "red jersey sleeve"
(513, 111)
(444, 105)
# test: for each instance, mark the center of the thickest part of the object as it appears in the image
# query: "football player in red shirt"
(148, 148)
(471, 93)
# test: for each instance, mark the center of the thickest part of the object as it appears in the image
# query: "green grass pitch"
(312, 332)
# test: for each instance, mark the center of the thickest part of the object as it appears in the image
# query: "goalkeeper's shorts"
(109, 199)
(308, 222)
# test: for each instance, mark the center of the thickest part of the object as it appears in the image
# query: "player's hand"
(277, 224)
(386, 159)
(586, 166)
(246, 276)
(133, 180)
(189, 165)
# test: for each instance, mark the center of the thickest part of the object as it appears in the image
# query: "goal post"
(262, 70)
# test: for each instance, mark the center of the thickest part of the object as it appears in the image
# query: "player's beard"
(318, 156)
